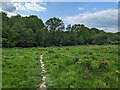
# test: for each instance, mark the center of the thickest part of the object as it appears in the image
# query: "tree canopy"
(18, 31)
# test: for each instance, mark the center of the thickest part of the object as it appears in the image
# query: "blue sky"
(102, 15)
(62, 9)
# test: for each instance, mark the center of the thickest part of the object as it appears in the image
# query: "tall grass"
(21, 68)
(66, 67)
(82, 67)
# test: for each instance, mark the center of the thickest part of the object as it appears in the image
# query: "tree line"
(18, 31)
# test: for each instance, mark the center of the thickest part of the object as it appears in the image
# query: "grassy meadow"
(21, 68)
(66, 67)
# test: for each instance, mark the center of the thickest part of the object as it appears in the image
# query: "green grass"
(64, 71)
(66, 67)
(0, 68)
(21, 68)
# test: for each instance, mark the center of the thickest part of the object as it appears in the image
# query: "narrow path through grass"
(43, 71)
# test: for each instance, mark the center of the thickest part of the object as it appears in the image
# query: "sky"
(101, 15)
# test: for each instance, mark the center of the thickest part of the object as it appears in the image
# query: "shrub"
(42, 48)
(59, 49)
(51, 51)
(103, 64)
(67, 49)
(33, 48)
(86, 64)
(86, 67)
(117, 72)
(105, 49)
(51, 48)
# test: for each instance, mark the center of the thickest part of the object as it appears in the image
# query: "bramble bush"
(51, 51)
(67, 48)
(103, 65)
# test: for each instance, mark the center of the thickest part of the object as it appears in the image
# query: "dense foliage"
(18, 31)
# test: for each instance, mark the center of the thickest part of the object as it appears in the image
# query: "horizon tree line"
(18, 31)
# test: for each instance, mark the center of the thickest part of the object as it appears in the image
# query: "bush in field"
(86, 67)
(42, 48)
(59, 48)
(33, 48)
(86, 64)
(105, 48)
(51, 51)
(103, 64)
(67, 49)
(117, 72)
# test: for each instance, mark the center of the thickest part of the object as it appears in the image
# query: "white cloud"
(26, 0)
(60, 17)
(95, 8)
(109, 29)
(0, 10)
(80, 8)
(30, 6)
(11, 7)
(65, 0)
(9, 14)
(43, 3)
(19, 6)
(106, 19)
(34, 6)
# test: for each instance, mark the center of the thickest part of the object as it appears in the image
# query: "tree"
(55, 25)
(34, 23)
(8, 36)
(18, 31)
(100, 39)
